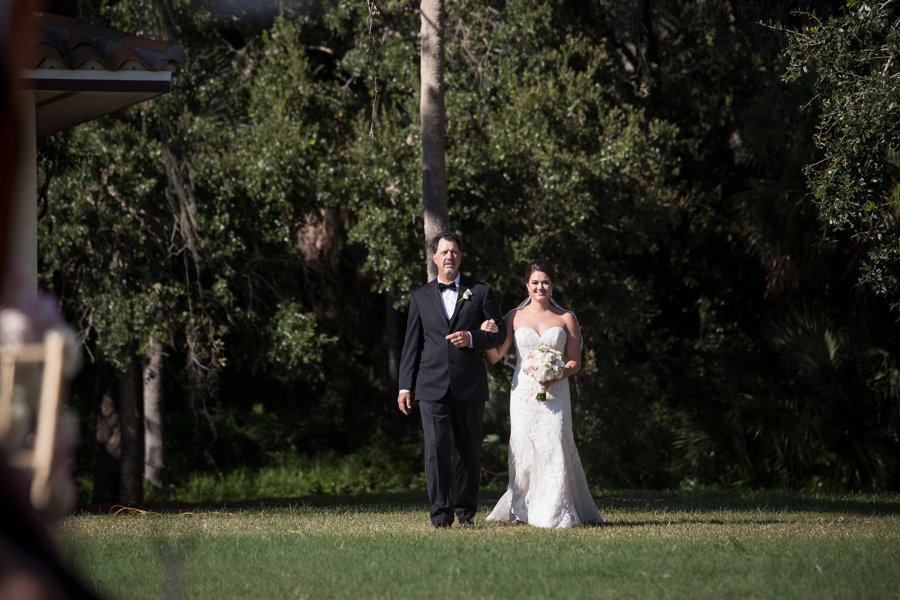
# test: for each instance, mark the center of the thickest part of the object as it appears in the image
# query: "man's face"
(447, 258)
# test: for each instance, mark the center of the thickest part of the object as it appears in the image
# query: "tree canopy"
(715, 183)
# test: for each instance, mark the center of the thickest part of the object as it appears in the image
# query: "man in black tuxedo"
(442, 365)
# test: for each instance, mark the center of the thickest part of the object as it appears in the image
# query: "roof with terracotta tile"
(66, 43)
(78, 72)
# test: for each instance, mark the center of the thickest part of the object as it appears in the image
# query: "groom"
(443, 367)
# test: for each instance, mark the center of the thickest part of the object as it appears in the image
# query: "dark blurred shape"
(12, 16)
(250, 13)
(30, 565)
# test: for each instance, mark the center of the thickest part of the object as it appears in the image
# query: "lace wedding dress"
(547, 486)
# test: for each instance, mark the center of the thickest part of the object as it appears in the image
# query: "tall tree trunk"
(109, 441)
(394, 332)
(131, 485)
(434, 128)
(154, 438)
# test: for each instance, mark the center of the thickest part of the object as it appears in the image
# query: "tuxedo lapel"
(460, 301)
(438, 301)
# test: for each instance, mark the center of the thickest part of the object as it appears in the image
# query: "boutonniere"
(466, 295)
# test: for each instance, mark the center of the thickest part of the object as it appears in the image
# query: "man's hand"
(460, 339)
(404, 402)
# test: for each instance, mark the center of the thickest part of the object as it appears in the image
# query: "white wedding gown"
(547, 486)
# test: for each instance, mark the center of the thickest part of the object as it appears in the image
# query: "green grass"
(373, 470)
(658, 544)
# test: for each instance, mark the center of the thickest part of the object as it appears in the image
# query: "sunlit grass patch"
(721, 544)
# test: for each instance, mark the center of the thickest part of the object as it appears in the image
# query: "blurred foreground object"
(37, 358)
(37, 432)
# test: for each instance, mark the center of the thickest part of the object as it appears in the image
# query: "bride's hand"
(545, 385)
(490, 325)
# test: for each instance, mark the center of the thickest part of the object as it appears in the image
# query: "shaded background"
(727, 235)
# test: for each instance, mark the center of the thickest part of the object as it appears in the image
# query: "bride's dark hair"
(539, 266)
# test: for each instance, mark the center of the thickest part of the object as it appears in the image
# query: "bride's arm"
(573, 346)
(494, 355)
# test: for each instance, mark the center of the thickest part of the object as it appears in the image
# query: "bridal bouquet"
(543, 364)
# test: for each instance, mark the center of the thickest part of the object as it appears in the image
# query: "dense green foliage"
(264, 220)
(857, 182)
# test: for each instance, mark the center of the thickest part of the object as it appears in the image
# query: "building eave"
(65, 98)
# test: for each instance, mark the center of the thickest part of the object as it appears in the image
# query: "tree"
(154, 438)
(148, 235)
(262, 221)
(855, 61)
(433, 112)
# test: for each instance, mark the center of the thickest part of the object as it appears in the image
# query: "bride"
(547, 485)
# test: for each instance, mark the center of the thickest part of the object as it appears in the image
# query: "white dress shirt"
(449, 297)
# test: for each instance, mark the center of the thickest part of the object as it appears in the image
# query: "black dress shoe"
(442, 525)
(467, 522)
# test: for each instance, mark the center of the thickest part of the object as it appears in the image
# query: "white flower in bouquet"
(543, 364)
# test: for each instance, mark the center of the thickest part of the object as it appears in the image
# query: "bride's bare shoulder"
(571, 322)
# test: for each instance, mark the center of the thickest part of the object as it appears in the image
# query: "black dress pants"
(452, 457)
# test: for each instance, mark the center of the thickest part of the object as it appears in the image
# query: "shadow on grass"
(674, 501)
(680, 522)
(376, 502)
(748, 500)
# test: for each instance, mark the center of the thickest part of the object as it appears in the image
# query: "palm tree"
(433, 118)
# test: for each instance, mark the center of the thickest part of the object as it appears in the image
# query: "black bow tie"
(446, 286)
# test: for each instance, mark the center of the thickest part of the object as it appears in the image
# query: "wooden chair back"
(36, 456)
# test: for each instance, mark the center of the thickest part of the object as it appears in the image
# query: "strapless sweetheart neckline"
(539, 334)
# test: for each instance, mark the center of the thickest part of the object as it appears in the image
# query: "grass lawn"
(657, 544)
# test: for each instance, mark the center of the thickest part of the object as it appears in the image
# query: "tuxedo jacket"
(430, 365)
